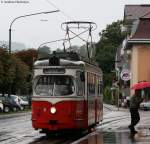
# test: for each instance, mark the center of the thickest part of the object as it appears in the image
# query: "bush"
(107, 95)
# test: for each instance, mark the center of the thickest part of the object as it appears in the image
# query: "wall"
(140, 63)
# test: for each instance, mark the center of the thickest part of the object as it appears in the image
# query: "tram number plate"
(53, 122)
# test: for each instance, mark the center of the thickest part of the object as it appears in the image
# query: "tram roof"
(68, 64)
(69, 60)
(63, 62)
(65, 57)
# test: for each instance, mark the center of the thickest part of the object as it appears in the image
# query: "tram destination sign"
(54, 70)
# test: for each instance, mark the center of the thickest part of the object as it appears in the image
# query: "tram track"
(19, 130)
(113, 116)
(108, 108)
(111, 119)
(108, 125)
(113, 123)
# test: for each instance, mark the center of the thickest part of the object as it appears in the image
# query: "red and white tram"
(67, 90)
(67, 93)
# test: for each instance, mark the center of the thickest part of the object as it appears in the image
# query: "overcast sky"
(35, 30)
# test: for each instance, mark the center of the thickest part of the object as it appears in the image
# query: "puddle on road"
(113, 138)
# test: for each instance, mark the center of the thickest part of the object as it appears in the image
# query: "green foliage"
(13, 73)
(106, 48)
(1, 73)
(27, 56)
(107, 78)
(21, 73)
(7, 70)
(107, 95)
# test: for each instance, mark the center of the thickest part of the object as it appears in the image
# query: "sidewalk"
(12, 115)
(115, 108)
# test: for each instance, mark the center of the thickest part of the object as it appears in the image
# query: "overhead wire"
(54, 5)
(64, 13)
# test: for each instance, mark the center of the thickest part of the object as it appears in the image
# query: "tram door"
(99, 105)
(91, 98)
(81, 105)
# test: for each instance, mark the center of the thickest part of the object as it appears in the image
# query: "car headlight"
(53, 110)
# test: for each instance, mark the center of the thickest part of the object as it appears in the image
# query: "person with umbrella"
(135, 101)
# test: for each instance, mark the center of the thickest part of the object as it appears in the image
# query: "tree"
(6, 71)
(27, 56)
(21, 70)
(1, 73)
(13, 73)
(106, 48)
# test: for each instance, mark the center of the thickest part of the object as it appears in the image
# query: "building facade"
(136, 47)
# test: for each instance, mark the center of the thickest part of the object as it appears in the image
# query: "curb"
(12, 115)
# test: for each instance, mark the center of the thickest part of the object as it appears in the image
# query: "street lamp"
(22, 17)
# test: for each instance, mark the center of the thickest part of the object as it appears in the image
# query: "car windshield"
(54, 85)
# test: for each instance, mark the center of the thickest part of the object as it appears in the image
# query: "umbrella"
(141, 85)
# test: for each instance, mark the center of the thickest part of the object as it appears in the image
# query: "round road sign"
(125, 75)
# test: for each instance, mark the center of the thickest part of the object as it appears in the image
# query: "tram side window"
(101, 87)
(97, 86)
(80, 84)
(91, 84)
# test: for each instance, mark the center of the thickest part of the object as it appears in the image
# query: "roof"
(134, 12)
(137, 41)
(143, 29)
(142, 33)
(147, 15)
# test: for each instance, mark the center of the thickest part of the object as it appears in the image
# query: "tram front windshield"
(54, 85)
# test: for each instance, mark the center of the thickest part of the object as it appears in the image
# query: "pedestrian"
(128, 101)
(135, 101)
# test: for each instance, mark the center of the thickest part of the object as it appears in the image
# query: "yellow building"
(134, 54)
(139, 58)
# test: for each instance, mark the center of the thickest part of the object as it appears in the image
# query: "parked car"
(1, 106)
(13, 102)
(19, 101)
(23, 101)
(7, 104)
(145, 105)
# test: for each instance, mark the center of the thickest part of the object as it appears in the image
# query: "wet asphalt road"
(17, 129)
(114, 129)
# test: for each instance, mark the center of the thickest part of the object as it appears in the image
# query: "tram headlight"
(53, 110)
